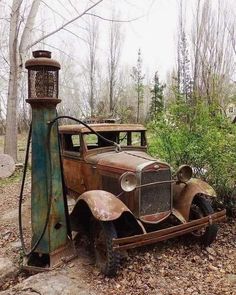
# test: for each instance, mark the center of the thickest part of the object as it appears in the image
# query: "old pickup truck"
(125, 198)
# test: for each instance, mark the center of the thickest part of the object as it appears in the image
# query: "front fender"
(183, 194)
(103, 205)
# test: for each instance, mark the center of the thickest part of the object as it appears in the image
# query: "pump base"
(39, 262)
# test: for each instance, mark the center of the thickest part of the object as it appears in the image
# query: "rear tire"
(201, 207)
(107, 260)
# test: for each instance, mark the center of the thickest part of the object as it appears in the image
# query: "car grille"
(155, 198)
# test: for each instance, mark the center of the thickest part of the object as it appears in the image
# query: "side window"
(71, 142)
(91, 141)
(136, 139)
(75, 142)
(123, 138)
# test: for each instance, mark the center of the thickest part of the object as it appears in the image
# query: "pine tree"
(157, 99)
(183, 71)
(138, 79)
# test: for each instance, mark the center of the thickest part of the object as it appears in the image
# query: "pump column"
(46, 189)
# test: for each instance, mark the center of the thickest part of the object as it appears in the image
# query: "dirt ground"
(176, 267)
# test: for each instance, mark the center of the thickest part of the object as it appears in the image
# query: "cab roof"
(102, 127)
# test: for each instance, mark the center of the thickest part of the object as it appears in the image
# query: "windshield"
(124, 138)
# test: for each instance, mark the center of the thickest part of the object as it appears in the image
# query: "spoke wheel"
(201, 207)
(106, 259)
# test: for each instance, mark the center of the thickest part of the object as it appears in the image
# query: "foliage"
(201, 137)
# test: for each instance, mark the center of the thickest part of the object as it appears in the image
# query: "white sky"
(154, 34)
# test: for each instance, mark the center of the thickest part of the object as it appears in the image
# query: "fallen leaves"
(176, 267)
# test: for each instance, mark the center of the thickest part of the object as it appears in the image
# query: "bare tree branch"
(63, 26)
(5, 19)
(75, 35)
(115, 20)
(53, 10)
(73, 6)
(62, 51)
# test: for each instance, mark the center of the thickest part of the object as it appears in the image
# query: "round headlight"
(184, 173)
(128, 181)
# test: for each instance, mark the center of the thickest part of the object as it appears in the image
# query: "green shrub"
(201, 137)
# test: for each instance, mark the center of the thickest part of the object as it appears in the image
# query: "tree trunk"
(10, 145)
(111, 94)
(26, 34)
(138, 108)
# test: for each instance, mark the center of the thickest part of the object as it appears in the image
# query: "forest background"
(189, 110)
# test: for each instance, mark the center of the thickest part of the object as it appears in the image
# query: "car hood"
(124, 160)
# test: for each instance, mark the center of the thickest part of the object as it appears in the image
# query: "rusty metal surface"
(56, 258)
(168, 233)
(76, 129)
(42, 61)
(183, 194)
(155, 218)
(103, 205)
(203, 186)
(43, 75)
(123, 161)
(74, 175)
(43, 102)
(178, 215)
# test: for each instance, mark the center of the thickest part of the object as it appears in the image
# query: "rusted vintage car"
(124, 197)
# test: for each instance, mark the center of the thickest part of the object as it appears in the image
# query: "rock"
(7, 269)
(212, 267)
(16, 246)
(7, 166)
(211, 251)
(50, 283)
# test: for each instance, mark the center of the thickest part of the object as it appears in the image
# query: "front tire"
(201, 207)
(106, 259)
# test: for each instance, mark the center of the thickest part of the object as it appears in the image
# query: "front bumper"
(167, 233)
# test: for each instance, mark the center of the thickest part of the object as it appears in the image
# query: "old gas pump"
(51, 241)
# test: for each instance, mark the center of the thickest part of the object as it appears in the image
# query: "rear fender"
(183, 194)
